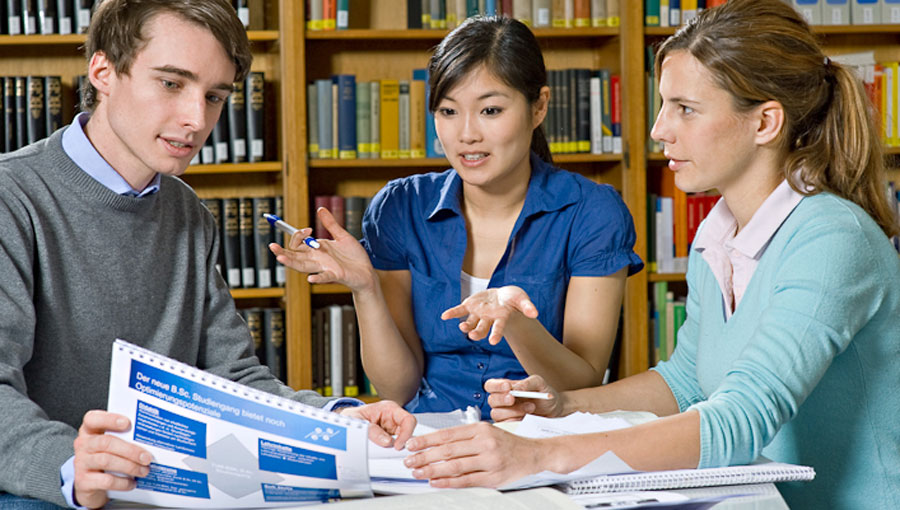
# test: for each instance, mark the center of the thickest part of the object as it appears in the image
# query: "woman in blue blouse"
(791, 347)
(518, 249)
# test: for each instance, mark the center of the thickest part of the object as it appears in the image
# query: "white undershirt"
(470, 285)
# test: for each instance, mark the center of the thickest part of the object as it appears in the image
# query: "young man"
(99, 240)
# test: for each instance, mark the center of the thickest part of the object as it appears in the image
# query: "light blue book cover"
(811, 10)
(890, 12)
(836, 12)
(866, 12)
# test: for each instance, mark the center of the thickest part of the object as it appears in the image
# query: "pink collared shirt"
(733, 258)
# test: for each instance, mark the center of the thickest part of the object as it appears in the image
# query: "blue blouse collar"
(548, 190)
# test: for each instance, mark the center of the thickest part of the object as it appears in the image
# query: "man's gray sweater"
(81, 266)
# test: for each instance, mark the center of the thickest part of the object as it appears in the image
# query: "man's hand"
(388, 419)
(98, 456)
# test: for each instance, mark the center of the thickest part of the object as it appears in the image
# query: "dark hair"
(763, 50)
(117, 30)
(504, 46)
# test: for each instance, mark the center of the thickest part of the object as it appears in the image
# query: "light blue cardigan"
(807, 370)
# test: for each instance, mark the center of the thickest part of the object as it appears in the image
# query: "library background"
(335, 107)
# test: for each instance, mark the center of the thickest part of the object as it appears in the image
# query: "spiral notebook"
(766, 472)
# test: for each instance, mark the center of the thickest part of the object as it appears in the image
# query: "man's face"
(156, 118)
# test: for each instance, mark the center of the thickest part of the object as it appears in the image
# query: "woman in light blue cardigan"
(791, 348)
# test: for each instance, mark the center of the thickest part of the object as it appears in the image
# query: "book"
(35, 123)
(890, 10)
(329, 14)
(254, 320)
(811, 10)
(598, 13)
(766, 472)
(375, 119)
(324, 110)
(417, 131)
(29, 17)
(343, 14)
(13, 21)
(651, 13)
(596, 119)
(237, 124)
(280, 271)
(243, 11)
(247, 248)
(257, 15)
(582, 13)
(263, 234)
(9, 114)
(350, 350)
(273, 338)
(354, 207)
(615, 99)
(4, 119)
(231, 241)
(82, 15)
(522, 11)
(364, 120)
(21, 109)
(583, 110)
(314, 12)
(390, 119)
(214, 206)
(254, 99)
(346, 117)
(540, 12)
(220, 138)
(324, 362)
(413, 14)
(46, 16)
(315, 348)
(52, 103)
(612, 13)
(836, 12)
(433, 147)
(403, 120)
(674, 13)
(336, 349)
(312, 120)
(865, 12)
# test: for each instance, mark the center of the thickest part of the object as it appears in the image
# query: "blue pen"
(283, 226)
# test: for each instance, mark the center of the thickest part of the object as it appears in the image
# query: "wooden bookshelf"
(378, 45)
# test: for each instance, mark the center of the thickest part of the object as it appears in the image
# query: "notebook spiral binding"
(195, 374)
(769, 472)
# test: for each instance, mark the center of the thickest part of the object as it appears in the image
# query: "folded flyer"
(220, 444)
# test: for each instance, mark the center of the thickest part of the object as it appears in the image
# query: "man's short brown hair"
(117, 30)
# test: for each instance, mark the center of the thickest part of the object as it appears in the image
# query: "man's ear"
(101, 72)
(769, 117)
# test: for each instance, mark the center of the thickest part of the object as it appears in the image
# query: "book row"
(267, 328)
(672, 13)
(239, 134)
(389, 119)
(448, 14)
(667, 314)
(45, 17)
(337, 369)
(244, 258)
(31, 109)
(348, 211)
(848, 12)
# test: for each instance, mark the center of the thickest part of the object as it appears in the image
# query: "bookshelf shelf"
(235, 168)
(443, 163)
(819, 29)
(274, 292)
(437, 35)
(666, 277)
(329, 288)
(78, 39)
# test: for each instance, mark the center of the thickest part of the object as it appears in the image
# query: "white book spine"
(336, 342)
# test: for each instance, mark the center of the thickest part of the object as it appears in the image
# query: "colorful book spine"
(324, 110)
(312, 120)
(364, 120)
(390, 119)
(237, 123)
(417, 118)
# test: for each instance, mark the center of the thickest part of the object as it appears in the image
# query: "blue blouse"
(568, 226)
